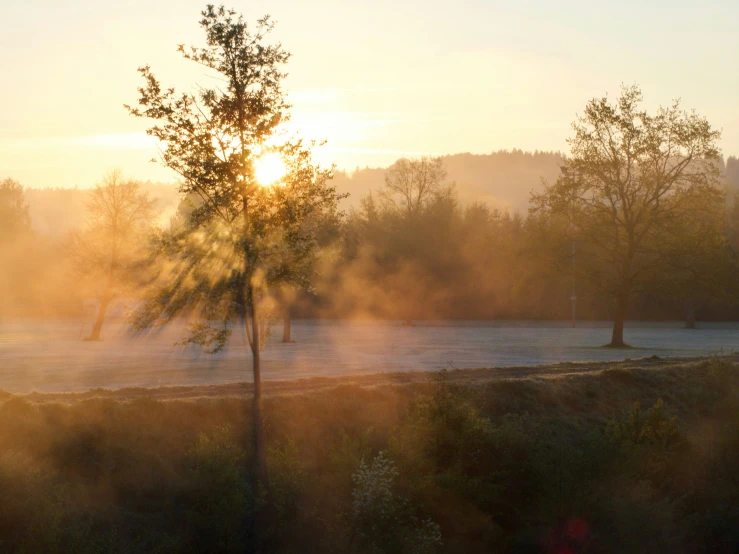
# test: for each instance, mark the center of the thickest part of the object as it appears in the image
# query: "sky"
(377, 80)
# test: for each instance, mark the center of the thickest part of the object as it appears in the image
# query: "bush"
(522, 466)
(653, 428)
(221, 503)
(383, 521)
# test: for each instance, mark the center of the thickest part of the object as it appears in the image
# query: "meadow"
(635, 456)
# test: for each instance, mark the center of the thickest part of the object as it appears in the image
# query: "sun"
(269, 169)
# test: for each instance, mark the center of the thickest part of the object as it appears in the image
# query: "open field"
(50, 356)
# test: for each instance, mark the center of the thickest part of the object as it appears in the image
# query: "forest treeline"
(502, 179)
(459, 255)
(445, 258)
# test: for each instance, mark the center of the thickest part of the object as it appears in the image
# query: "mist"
(253, 347)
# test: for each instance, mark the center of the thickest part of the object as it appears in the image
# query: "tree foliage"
(15, 219)
(412, 185)
(243, 237)
(632, 183)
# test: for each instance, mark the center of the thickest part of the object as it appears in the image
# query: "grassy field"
(636, 456)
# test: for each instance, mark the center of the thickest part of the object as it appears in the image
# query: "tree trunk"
(263, 328)
(95, 335)
(286, 326)
(617, 337)
(260, 453)
(261, 477)
(690, 315)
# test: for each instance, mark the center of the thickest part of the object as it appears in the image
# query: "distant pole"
(573, 298)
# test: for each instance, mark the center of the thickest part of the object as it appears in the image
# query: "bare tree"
(108, 249)
(411, 185)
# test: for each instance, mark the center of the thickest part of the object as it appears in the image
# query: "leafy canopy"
(242, 237)
(631, 184)
(107, 253)
(15, 219)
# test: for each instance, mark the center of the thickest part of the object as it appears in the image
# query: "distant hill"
(504, 179)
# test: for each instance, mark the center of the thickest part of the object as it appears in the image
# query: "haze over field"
(48, 356)
(408, 277)
(503, 180)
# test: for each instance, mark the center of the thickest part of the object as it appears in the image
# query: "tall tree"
(244, 236)
(15, 219)
(699, 265)
(107, 252)
(734, 245)
(631, 178)
(732, 174)
(17, 265)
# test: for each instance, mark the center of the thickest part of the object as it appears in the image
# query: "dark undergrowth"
(627, 460)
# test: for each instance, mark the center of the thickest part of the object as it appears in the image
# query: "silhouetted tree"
(734, 245)
(244, 237)
(734, 223)
(699, 265)
(17, 247)
(412, 185)
(107, 253)
(631, 178)
(15, 219)
(732, 174)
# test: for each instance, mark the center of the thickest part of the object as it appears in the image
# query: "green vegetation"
(644, 193)
(632, 458)
(250, 233)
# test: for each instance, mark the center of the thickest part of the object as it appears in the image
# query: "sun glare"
(269, 169)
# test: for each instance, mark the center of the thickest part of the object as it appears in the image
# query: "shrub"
(383, 521)
(653, 428)
(221, 504)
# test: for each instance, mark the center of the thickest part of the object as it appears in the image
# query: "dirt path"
(301, 386)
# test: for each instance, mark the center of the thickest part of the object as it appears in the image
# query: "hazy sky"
(377, 79)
